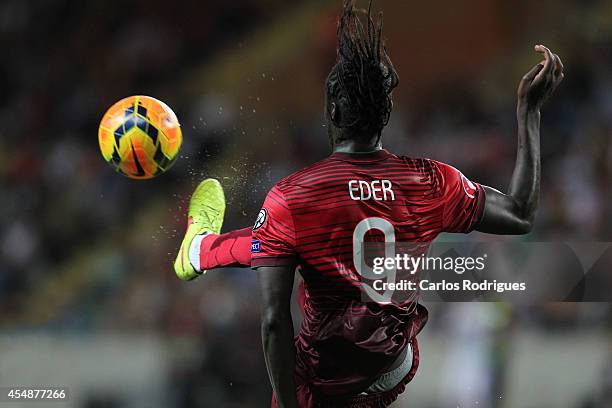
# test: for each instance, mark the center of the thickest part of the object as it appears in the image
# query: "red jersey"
(314, 219)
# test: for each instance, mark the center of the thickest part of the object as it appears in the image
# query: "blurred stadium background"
(88, 298)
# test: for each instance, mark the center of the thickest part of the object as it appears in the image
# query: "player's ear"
(333, 112)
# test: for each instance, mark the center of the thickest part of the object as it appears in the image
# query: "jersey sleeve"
(273, 238)
(463, 200)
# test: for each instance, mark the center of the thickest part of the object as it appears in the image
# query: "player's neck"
(352, 146)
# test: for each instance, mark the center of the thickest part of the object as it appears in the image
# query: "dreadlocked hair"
(363, 77)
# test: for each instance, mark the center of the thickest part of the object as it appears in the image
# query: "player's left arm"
(276, 284)
(275, 258)
(514, 212)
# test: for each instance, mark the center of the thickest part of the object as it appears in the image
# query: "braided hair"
(361, 81)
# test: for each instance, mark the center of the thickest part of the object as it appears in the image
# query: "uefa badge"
(261, 219)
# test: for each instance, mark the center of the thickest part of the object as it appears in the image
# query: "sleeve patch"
(261, 219)
(469, 187)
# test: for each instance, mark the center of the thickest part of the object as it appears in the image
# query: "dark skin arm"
(513, 213)
(276, 285)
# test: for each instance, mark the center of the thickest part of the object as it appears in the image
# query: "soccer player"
(350, 352)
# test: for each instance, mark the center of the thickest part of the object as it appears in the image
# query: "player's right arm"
(514, 212)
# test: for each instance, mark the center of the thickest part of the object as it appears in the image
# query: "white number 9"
(364, 269)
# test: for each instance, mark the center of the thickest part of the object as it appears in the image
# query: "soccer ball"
(140, 137)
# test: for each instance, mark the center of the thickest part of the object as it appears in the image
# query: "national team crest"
(261, 219)
(468, 187)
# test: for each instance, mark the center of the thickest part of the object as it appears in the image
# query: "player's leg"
(202, 247)
(232, 249)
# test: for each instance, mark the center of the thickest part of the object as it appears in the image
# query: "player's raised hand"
(541, 81)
